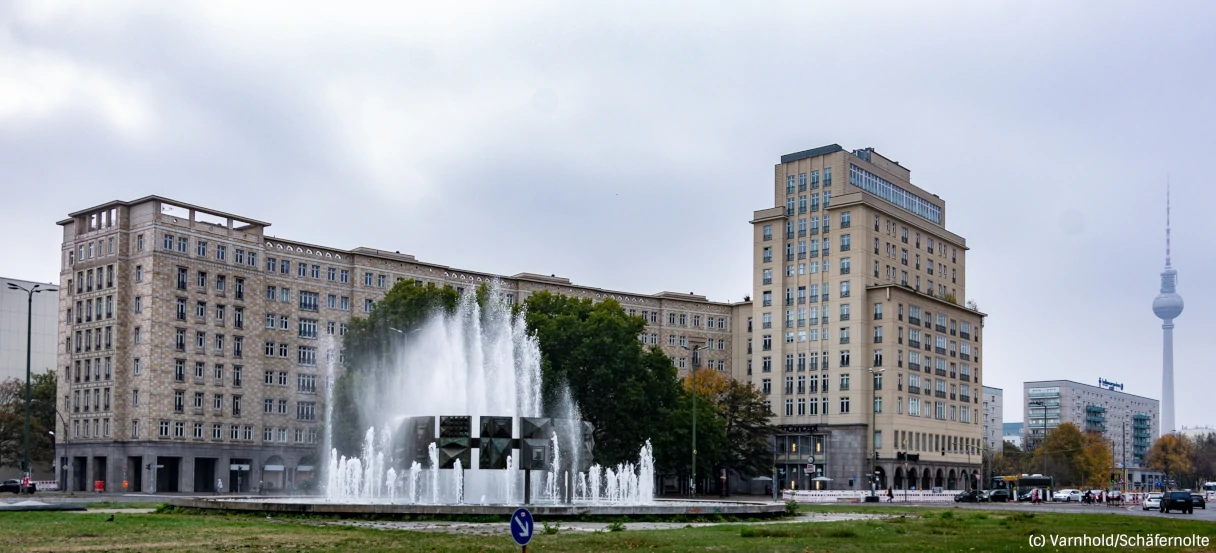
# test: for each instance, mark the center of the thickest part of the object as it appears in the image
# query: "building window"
(844, 405)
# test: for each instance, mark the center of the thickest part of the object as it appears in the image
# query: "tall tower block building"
(859, 337)
(1167, 306)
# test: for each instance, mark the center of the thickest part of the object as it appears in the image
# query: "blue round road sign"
(521, 526)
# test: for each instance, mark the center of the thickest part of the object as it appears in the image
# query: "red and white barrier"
(46, 485)
(917, 496)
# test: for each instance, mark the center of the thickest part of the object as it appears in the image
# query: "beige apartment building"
(858, 333)
(193, 346)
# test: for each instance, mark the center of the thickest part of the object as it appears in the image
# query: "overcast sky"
(626, 147)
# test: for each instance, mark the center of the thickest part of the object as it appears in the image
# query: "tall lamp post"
(29, 334)
(693, 379)
(875, 375)
(1043, 404)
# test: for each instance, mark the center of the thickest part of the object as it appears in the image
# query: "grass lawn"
(920, 530)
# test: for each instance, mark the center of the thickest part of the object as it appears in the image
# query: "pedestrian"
(890, 495)
(219, 486)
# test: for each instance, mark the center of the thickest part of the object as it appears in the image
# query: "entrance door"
(204, 474)
(79, 464)
(100, 474)
(135, 471)
(239, 474)
(168, 474)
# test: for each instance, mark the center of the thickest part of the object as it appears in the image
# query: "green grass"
(921, 530)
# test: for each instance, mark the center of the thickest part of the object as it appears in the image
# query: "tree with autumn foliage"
(1170, 454)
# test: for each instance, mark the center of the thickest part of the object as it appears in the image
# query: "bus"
(1022, 484)
(1209, 489)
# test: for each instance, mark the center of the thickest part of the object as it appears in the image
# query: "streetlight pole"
(875, 374)
(29, 335)
(693, 380)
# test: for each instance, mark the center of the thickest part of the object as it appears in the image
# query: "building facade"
(857, 334)
(14, 310)
(192, 345)
(1013, 433)
(994, 418)
(1131, 423)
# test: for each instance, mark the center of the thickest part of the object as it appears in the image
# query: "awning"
(237, 467)
(304, 468)
(273, 468)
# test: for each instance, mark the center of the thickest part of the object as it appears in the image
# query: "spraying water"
(472, 362)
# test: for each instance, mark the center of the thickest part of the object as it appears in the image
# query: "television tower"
(1167, 306)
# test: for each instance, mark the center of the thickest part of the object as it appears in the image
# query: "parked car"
(996, 496)
(1067, 495)
(1198, 501)
(1177, 501)
(972, 496)
(15, 486)
(1153, 501)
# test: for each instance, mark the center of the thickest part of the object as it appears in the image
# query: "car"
(1198, 501)
(14, 486)
(1177, 501)
(994, 496)
(972, 496)
(1153, 501)
(1067, 495)
(1029, 495)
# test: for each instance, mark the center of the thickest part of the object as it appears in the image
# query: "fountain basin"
(318, 506)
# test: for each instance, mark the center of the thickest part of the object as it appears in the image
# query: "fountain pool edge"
(660, 507)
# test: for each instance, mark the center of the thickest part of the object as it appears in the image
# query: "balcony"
(802, 301)
(768, 237)
(814, 231)
(964, 335)
(878, 339)
(940, 394)
(964, 356)
(964, 377)
(844, 339)
(913, 320)
(913, 366)
(789, 234)
(939, 328)
(768, 259)
(913, 389)
(801, 255)
(964, 399)
(789, 257)
(846, 223)
(766, 325)
(952, 397)
(845, 247)
(939, 372)
(913, 343)
(941, 351)
(845, 271)
(767, 281)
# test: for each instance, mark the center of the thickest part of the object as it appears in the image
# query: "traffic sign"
(521, 526)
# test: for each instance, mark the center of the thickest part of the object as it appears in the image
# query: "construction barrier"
(46, 485)
(917, 496)
(99, 486)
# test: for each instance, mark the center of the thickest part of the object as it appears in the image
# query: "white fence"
(46, 485)
(918, 496)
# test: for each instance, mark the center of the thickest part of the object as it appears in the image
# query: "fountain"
(460, 398)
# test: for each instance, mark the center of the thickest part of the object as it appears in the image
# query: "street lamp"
(29, 334)
(693, 380)
(875, 374)
(1043, 404)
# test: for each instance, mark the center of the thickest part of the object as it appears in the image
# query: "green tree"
(746, 427)
(368, 342)
(1170, 454)
(42, 419)
(628, 392)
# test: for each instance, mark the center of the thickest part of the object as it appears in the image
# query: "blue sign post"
(521, 527)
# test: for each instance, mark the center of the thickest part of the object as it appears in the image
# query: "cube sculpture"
(455, 441)
(534, 441)
(420, 433)
(495, 442)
